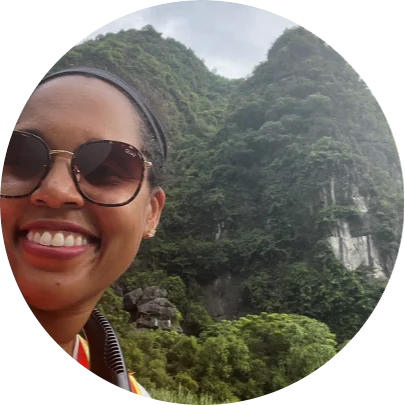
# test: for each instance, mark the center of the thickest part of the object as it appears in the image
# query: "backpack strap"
(81, 353)
(134, 384)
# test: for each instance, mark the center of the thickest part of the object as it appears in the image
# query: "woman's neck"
(63, 326)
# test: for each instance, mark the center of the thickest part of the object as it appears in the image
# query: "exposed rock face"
(352, 241)
(151, 309)
(223, 298)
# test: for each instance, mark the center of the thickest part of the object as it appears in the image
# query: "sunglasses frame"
(74, 171)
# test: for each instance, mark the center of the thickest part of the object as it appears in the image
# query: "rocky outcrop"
(223, 298)
(150, 309)
(352, 240)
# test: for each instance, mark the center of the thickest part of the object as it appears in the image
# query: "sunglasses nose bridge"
(56, 152)
(61, 152)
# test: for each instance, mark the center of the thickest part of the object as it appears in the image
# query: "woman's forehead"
(76, 108)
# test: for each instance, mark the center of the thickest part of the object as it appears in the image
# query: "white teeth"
(69, 241)
(46, 239)
(57, 239)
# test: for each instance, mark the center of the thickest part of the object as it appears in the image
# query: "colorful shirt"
(81, 354)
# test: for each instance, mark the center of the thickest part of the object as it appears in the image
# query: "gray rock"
(164, 302)
(150, 293)
(131, 299)
(151, 309)
(148, 323)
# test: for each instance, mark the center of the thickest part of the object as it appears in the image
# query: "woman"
(80, 190)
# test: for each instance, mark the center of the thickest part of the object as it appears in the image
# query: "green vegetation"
(230, 360)
(263, 170)
(341, 299)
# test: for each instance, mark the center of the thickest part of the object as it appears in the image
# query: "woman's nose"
(58, 189)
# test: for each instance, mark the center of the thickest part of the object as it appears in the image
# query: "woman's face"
(67, 112)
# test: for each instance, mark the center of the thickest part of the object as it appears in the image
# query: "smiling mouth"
(57, 238)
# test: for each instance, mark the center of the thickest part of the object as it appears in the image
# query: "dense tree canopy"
(262, 172)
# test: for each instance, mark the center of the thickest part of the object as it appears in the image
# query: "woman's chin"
(53, 291)
(58, 303)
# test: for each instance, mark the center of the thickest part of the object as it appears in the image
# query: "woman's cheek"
(122, 239)
(9, 214)
(8, 209)
(122, 232)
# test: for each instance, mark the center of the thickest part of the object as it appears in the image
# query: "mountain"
(285, 191)
(346, 180)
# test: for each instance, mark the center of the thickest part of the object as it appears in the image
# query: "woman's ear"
(156, 203)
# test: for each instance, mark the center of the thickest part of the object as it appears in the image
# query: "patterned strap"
(82, 355)
(134, 384)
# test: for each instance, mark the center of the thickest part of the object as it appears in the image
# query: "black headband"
(126, 89)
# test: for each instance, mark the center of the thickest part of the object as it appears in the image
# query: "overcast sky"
(232, 38)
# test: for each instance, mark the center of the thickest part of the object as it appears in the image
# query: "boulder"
(151, 309)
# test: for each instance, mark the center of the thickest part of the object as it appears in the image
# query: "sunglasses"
(106, 173)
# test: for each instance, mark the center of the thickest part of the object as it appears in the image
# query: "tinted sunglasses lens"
(108, 172)
(24, 166)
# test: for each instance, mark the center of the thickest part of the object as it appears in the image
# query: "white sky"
(232, 38)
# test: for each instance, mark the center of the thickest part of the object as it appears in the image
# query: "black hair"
(153, 136)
